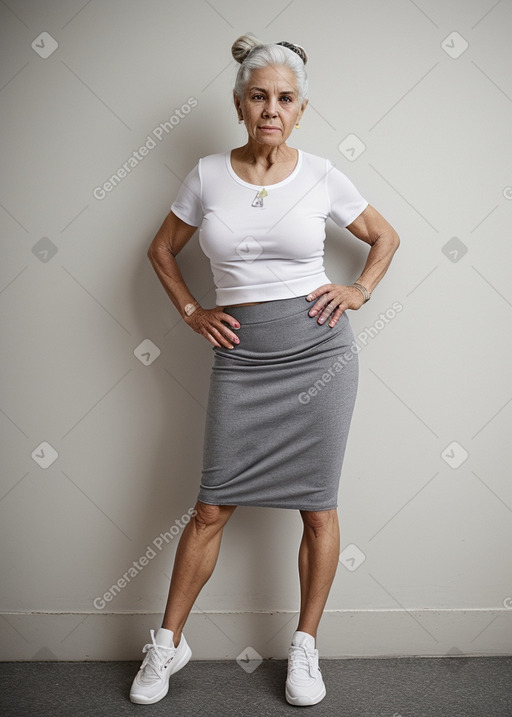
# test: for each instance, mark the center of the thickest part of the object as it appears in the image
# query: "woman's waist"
(249, 303)
(273, 334)
(258, 312)
(241, 295)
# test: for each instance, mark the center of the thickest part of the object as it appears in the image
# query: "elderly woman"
(284, 377)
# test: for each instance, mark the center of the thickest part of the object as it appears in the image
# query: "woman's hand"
(211, 323)
(333, 299)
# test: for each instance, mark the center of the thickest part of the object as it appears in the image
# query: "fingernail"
(308, 298)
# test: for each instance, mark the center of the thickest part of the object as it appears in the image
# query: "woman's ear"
(304, 105)
(236, 100)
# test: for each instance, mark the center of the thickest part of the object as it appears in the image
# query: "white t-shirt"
(266, 245)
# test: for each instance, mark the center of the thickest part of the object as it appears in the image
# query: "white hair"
(254, 54)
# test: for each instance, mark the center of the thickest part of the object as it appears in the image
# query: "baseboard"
(254, 635)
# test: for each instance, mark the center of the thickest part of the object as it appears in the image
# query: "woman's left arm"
(333, 299)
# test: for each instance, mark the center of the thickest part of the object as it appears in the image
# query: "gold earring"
(298, 125)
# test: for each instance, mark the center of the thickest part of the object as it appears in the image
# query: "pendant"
(258, 199)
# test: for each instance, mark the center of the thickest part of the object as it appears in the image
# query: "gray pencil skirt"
(279, 409)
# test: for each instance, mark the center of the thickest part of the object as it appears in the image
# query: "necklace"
(258, 199)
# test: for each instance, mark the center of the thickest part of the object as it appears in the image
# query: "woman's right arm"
(168, 242)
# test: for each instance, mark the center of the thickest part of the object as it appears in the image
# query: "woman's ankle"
(176, 633)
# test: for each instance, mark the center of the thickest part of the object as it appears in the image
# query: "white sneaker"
(304, 683)
(151, 682)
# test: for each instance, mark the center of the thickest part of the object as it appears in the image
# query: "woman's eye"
(260, 97)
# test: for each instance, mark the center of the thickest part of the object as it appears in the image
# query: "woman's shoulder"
(314, 166)
(214, 158)
(209, 160)
(209, 163)
(314, 160)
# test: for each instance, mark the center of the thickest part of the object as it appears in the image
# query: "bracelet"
(364, 291)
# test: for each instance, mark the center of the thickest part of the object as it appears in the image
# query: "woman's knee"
(319, 520)
(212, 515)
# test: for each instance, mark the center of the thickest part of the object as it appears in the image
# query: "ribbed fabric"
(279, 409)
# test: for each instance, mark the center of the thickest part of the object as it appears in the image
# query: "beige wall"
(80, 304)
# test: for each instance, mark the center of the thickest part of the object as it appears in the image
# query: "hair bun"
(243, 46)
(301, 52)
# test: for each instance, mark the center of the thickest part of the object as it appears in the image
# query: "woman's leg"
(195, 560)
(318, 560)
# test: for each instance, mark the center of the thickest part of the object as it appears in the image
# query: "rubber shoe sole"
(305, 700)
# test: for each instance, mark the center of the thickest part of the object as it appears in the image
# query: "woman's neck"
(265, 155)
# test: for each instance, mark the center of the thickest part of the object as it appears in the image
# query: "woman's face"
(270, 107)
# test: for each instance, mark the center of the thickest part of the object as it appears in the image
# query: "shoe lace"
(302, 661)
(155, 658)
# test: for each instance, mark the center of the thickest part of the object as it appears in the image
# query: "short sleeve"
(187, 205)
(345, 201)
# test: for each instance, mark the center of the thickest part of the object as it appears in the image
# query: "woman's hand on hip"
(332, 300)
(211, 323)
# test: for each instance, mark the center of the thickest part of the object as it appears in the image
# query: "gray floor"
(403, 687)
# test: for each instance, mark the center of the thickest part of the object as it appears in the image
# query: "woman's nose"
(270, 108)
